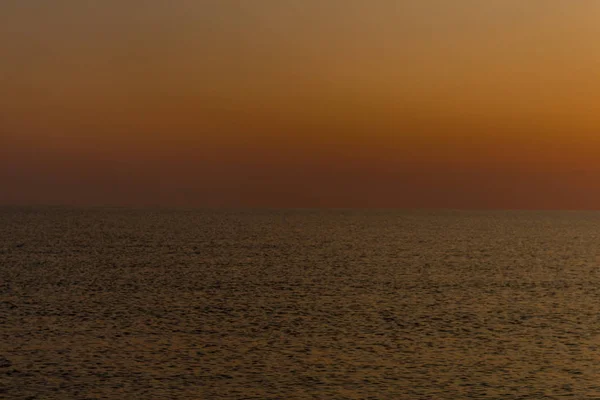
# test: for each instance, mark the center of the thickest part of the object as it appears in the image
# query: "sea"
(151, 303)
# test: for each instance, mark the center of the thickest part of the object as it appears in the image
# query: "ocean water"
(298, 304)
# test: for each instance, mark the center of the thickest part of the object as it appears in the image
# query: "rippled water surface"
(120, 303)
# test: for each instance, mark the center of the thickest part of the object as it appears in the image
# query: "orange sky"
(289, 103)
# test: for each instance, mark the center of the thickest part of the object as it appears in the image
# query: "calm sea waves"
(343, 304)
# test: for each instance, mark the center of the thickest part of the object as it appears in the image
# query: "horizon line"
(286, 208)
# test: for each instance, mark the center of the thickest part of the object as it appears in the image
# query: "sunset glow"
(283, 103)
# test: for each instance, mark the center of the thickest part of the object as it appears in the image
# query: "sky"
(463, 104)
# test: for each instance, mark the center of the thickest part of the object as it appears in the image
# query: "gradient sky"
(301, 103)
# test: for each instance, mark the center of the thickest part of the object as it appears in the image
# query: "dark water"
(115, 303)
